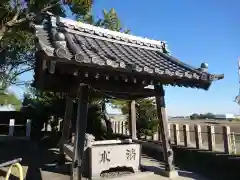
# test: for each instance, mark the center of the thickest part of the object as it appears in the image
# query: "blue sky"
(196, 32)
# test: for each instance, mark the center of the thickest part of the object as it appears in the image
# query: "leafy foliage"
(46, 104)
(17, 45)
(17, 56)
(196, 116)
(9, 98)
(111, 21)
(146, 115)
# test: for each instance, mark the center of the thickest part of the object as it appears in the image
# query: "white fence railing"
(208, 137)
(12, 125)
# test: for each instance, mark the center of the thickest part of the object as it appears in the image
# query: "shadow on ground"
(160, 167)
(36, 157)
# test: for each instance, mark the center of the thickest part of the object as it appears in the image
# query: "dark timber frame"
(82, 61)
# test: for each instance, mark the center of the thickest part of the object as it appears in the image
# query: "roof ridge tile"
(69, 23)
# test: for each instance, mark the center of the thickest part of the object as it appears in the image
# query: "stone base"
(128, 177)
(170, 174)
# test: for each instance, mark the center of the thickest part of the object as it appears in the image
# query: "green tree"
(209, 115)
(17, 45)
(147, 121)
(37, 102)
(9, 98)
(194, 116)
(111, 21)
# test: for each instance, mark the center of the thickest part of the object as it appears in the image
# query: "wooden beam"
(119, 90)
(163, 124)
(66, 126)
(81, 127)
(124, 90)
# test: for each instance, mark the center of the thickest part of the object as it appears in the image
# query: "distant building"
(224, 116)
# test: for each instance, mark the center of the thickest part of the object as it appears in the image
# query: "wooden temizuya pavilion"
(83, 60)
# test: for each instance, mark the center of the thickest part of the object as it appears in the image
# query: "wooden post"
(115, 127)
(176, 134)
(66, 128)
(119, 127)
(28, 127)
(133, 120)
(122, 128)
(46, 126)
(163, 124)
(81, 127)
(159, 133)
(11, 127)
(60, 125)
(198, 136)
(155, 138)
(112, 125)
(211, 138)
(127, 128)
(152, 136)
(186, 135)
(227, 139)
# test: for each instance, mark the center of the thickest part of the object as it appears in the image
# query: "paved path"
(40, 164)
(158, 168)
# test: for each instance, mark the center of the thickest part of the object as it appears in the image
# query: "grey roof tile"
(93, 45)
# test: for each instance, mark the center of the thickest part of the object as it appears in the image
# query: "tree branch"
(15, 21)
(21, 72)
(15, 17)
(18, 9)
(10, 80)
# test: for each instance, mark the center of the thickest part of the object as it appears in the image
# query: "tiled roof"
(81, 43)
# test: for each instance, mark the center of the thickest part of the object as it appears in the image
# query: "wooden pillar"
(11, 127)
(115, 127)
(163, 124)
(28, 128)
(132, 119)
(159, 133)
(127, 128)
(46, 126)
(66, 127)
(112, 125)
(119, 127)
(155, 136)
(122, 128)
(81, 127)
